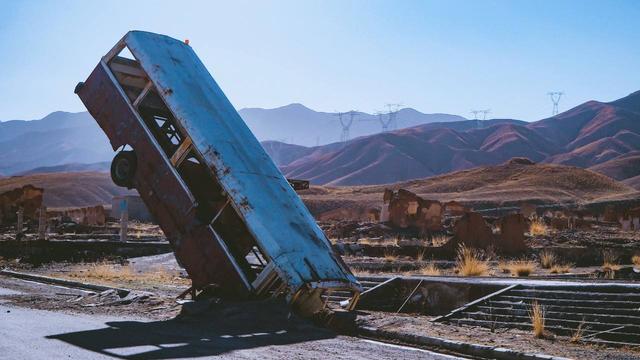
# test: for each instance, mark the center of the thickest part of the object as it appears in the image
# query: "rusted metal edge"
(477, 301)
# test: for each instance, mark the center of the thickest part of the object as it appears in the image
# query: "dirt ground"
(507, 338)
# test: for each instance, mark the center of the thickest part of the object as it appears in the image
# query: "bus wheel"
(123, 168)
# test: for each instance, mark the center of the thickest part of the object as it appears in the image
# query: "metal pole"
(42, 223)
(124, 219)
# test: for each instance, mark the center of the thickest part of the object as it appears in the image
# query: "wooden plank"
(182, 152)
(142, 95)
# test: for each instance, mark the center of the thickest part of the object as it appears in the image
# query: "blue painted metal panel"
(272, 211)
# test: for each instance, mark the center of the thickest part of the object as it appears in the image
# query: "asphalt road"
(39, 334)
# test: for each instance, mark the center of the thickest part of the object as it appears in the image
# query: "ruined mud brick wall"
(512, 229)
(94, 215)
(408, 210)
(472, 231)
(28, 197)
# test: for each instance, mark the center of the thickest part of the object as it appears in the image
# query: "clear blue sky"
(435, 56)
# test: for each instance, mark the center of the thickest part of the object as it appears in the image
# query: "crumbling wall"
(512, 229)
(407, 210)
(94, 215)
(472, 231)
(28, 197)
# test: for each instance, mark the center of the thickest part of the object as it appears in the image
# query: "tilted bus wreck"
(232, 218)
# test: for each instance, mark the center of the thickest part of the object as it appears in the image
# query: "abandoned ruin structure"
(407, 210)
(28, 199)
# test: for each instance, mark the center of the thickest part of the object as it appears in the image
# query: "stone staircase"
(608, 314)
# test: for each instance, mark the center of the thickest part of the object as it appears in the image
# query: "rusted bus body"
(231, 217)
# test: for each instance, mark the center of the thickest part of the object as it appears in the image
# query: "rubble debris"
(231, 217)
(409, 211)
(112, 297)
(28, 198)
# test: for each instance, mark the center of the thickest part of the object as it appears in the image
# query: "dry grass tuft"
(420, 254)
(390, 255)
(561, 269)
(522, 268)
(469, 262)
(636, 260)
(538, 228)
(440, 240)
(503, 266)
(536, 314)
(577, 336)
(610, 262)
(430, 270)
(547, 259)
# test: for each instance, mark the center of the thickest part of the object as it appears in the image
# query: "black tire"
(123, 168)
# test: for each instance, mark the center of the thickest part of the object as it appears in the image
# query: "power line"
(392, 116)
(485, 112)
(555, 98)
(345, 123)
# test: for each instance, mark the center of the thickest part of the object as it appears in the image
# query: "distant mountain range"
(63, 138)
(603, 137)
(297, 124)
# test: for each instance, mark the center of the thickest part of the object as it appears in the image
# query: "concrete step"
(575, 295)
(552, 321)
(566, 313)
(561, 308)
(569, 302)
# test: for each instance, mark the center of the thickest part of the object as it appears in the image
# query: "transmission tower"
(485, 113)
(555, 98)
(384, 122)
(346, 123)
(392, 116)
(475, 114)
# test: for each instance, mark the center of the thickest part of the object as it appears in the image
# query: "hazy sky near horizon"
(434, 56)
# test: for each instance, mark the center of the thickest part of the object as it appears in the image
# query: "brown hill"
(588, 135)
(621, 167)
(69, 189)
(502, 185)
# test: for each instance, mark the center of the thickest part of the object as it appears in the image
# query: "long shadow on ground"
(218, 331)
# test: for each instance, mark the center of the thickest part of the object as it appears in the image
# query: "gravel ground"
(512, 339)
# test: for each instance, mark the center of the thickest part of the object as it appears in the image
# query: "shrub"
(469, 262)
(536, 314)
(538, 228)
(430, 269)
(522, 268)
(547, 259)
(561, 269)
